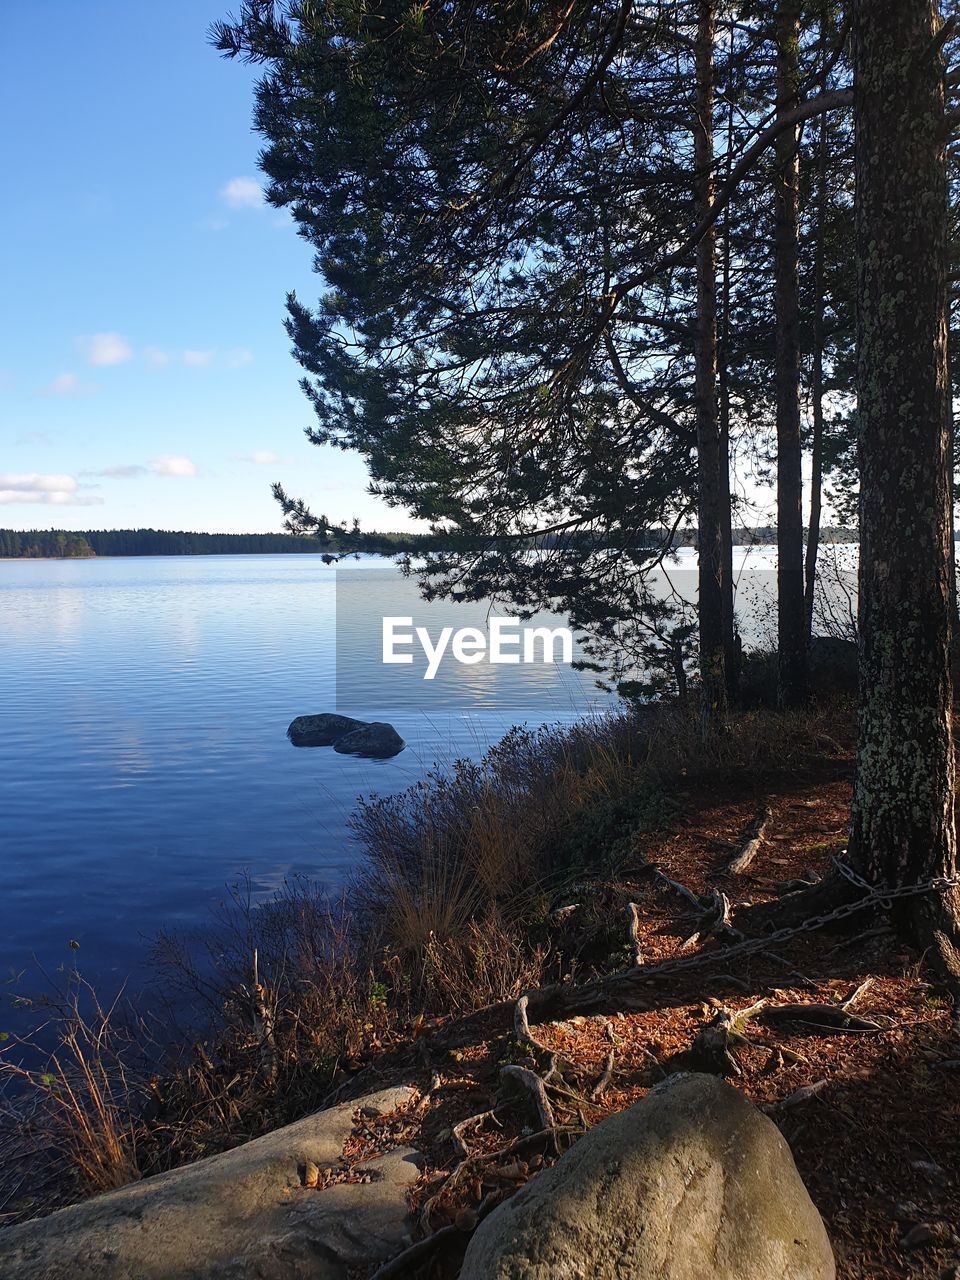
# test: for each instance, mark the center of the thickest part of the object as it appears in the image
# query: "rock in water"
(691, 1183)
(377, 739)
(322, 730)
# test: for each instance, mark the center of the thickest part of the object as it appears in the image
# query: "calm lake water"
(144, 764)
(143, 759)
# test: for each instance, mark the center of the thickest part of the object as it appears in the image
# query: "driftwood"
(741, 862)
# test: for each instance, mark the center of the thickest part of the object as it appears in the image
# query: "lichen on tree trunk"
(902, 822)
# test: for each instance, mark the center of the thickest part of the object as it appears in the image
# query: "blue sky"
(145, 375)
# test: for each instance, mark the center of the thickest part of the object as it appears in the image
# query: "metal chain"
(881, 894)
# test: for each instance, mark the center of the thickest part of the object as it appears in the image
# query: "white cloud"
(120, 473)
(67, 384)
(44, 490)
(242, 193)
(198, 359)
(259, 458)
(172, 464)
(103, 349)
(169, 464)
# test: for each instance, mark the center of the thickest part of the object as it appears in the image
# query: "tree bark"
(731, 648)
(816, 387)
(709, 487)
(902, 821)
(791, 612)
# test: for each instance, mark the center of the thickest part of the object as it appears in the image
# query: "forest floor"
(871, 1113)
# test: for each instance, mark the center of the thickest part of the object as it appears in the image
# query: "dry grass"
(79, 1109)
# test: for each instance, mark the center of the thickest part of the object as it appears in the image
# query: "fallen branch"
(742, 861)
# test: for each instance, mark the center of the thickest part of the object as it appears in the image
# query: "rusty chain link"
(883, 895)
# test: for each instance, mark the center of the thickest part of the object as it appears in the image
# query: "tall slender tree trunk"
(951, 496)
(791, 613)
(731, 649)
(902, 823)
(816, 387)
(709, 486)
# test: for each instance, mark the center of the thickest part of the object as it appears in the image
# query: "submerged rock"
(322, 730)
(377, 740)
(691, 1183)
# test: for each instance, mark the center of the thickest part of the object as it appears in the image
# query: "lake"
(144, 763)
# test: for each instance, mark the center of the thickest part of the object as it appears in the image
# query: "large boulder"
(377, 740)
(691, 1183)
(322, 730)
(243, 1215)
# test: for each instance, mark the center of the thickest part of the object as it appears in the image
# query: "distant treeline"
(62, 545)
(58, 544)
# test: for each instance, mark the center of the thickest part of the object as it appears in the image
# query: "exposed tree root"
(824, 1019)
(534, 1085)
(543, 1138)
(633, 931)
(742, 861)
(674, 886)
(801, 1095)
(521, 1026)
(603, 1084)
(714, 1045)
(459, 1131)
(714, 923)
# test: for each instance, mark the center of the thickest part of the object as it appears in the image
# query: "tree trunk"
(791, 613)
(816, 387)
(731, 648)
(709, 487)
(902, 822)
